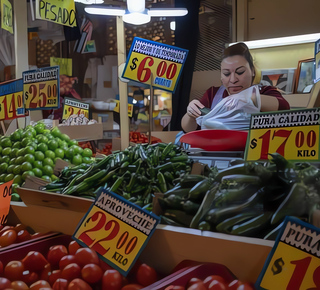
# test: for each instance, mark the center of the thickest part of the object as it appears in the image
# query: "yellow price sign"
(74, 107)
(11, 100)
(41, 88)
(117, 108)
(292, 134)
(116, 229)
(163, 62)
(294, 260)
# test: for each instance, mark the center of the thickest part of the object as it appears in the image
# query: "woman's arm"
(188, 121)
(272, 100)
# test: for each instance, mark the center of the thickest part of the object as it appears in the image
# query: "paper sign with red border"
(5, 199)
(294, 261)
(41, 88)
(164, 62)
(293, 134)
(116, 229)
(74, 107)
(11, 100)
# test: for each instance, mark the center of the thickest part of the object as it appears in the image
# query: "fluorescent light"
(280, 41)
(105, 11)
(136, 18)
(90, 1)
(168, 12)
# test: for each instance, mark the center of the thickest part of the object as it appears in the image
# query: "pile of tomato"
(137, 137)
(212, 282)
(106, 149)
(71, 267)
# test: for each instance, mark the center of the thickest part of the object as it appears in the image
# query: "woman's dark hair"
(239, 48)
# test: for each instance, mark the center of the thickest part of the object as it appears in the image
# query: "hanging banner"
(41, 88)
(11, 100)
(294, 261)
(6, 16)
(116, 229)
(65, 65)
(60, 12)
(294, 134)
(164, 62)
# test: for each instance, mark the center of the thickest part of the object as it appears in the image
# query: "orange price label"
(41, 88)
(11, 100)
(163, 61)
(74, 107)
(5, 199)
(292, 134)
(294, 260)
(116, 229)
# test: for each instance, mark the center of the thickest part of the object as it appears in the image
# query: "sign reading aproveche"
(41, 88)
(164, 62)
(116, 229)
(293, 262)
(293, 134)
(11, 100)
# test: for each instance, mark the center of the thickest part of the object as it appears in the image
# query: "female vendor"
(237, 74)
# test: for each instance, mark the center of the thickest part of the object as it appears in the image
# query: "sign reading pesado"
(60, 12)
(294, 134)
(164, 62)
(116, 229)
(294, 261)
(41, 88)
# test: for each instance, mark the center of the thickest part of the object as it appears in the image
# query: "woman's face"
(236, 74)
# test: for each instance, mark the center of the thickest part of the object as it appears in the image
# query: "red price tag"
(164, 62)
(116, 229)
(294, 135)
(294, 262)
(5, 199)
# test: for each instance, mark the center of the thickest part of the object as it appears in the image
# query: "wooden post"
(151, 108)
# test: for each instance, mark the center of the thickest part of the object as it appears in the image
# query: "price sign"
(164, 62)
(41, 88)
(5, 199)
(116, 229)
(294, 262)
(74, 107)
(117, 108)
(294, 134)
(11, 100)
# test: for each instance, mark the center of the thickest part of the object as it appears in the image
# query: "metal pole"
(151, 108)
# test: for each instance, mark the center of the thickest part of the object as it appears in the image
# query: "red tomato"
(146, 275)
(73, 247)
(46, 272)
(111, 280)
(40, 284)
(245, 286)
(55, 254)
(19, 227)
(34, 261)
(234, 284)
(1, 268)
(91, 273)
(210, 278)
(37, 235)
(193, 281)
(19, 285)
(29, 277)
(8, 238)
(22, 236)
(5, 283)
(197, 286)
(55, 274)
(104, 266)
(60, 284)
(217, 285)
(79, 284)
(66, 260)
(13, 270)
(132, 287)
(71, 271)
(86, 256)
(4, 229)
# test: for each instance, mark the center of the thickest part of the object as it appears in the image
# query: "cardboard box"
(83, 132)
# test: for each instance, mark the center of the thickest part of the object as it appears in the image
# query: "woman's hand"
(193, 109)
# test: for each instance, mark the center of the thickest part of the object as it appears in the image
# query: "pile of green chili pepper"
(135, 173)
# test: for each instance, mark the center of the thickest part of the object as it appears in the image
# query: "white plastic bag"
(232, 112)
